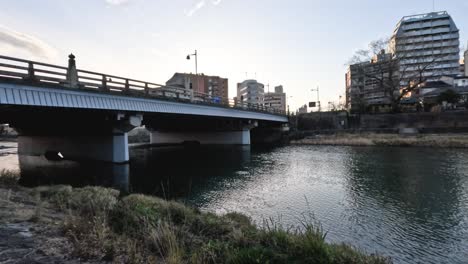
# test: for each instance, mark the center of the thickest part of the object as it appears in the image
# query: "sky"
(300, 44)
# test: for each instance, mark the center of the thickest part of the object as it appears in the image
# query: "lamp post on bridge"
(72, 73)
(318, 97)
(196, 61)
(287, 102)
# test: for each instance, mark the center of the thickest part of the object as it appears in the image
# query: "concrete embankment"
(444, 122)
(373, 139)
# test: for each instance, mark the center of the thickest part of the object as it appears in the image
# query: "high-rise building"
(251, 92)
(302, 110)
(427, 43)
(364, 80)
(276, 100)
(279, 89)
(210, 85)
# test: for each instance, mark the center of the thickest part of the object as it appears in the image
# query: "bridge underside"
(78, 134)
(63, 112)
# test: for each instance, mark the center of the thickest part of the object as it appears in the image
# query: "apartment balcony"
(426, 24)
(434, 52)
(429, 45)
(448, 58)
(427, 32)
(405, 40)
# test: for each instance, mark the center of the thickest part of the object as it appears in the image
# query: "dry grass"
(432, 140)
(104, 226)
(143, 229)
(8, 178)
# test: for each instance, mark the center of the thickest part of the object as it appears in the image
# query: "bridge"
(85, 115)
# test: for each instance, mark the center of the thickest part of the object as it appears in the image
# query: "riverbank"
(93, 224)
(393, 140)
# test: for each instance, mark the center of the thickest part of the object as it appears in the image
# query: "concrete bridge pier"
(269, 134)
(109, 143)
(220, 136)
(108, 148)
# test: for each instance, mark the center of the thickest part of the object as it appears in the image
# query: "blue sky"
(299, 43)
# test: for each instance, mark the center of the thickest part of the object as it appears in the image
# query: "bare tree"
(393, 72)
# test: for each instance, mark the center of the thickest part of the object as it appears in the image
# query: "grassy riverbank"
(102, 225)
(372, 139)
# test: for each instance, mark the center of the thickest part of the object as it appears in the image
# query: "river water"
(407, 203)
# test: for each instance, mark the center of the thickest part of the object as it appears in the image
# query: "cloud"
(117, 2)
(199, 5)
(16, 41)
(194, 9)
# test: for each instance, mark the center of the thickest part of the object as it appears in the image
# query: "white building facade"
(251, 92)
(277, 99)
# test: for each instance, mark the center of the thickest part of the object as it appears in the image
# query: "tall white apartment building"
(427, 43)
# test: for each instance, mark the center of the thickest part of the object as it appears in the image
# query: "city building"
(462, 68)
(427, 41)
(212, 85)
(276, 100)
(251, 92)
(424, 45)
(364, 89)
(460, 81)
(465, 62)
(302, 110)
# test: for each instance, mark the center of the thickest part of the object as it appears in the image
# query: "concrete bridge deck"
(62, 109)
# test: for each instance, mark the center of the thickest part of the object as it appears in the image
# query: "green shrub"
(57, 194)
(139, 229)
(164, 238)
(134, 210)
(256, 254)
(93, 201)
(239, 220)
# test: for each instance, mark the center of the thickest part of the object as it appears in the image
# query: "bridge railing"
(38, 73)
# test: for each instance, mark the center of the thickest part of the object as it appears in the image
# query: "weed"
(140, 229)
(9, 178)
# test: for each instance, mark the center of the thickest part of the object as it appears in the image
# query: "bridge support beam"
(107, 148)
(205, 132)
(102, 138)
(208, 138)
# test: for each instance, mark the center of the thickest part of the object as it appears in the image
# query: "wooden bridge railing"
(38, 73)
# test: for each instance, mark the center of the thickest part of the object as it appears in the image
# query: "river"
(407, 203)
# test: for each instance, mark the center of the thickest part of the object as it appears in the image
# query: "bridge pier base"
(208, 138)
(107, 148)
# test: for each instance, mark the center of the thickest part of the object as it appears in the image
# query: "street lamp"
(288, 103)
(196, 62)
(318, 96)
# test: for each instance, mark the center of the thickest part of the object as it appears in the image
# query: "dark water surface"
(407, 203)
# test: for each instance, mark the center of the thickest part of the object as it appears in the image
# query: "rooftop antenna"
(433, 5)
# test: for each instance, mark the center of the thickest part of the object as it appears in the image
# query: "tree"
(449, 96)
(385, 72)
